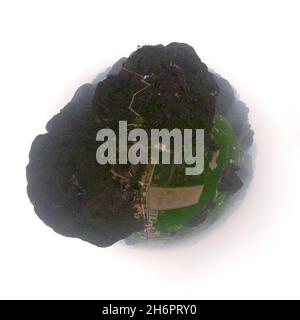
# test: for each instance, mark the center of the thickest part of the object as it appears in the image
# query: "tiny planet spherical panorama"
(156, 87)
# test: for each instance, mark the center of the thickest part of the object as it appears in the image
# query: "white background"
(49, 48)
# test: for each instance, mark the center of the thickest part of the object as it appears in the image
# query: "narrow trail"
(150, 216)
(147, 85)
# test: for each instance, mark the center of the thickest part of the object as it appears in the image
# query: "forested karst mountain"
(75, 195)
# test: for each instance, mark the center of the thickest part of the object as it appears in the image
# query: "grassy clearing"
(168, 176)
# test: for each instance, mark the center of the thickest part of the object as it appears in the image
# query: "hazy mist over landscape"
(51, 48)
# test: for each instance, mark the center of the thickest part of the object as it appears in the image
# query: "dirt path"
(213, 162)
(147, 85)
(150, 216)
